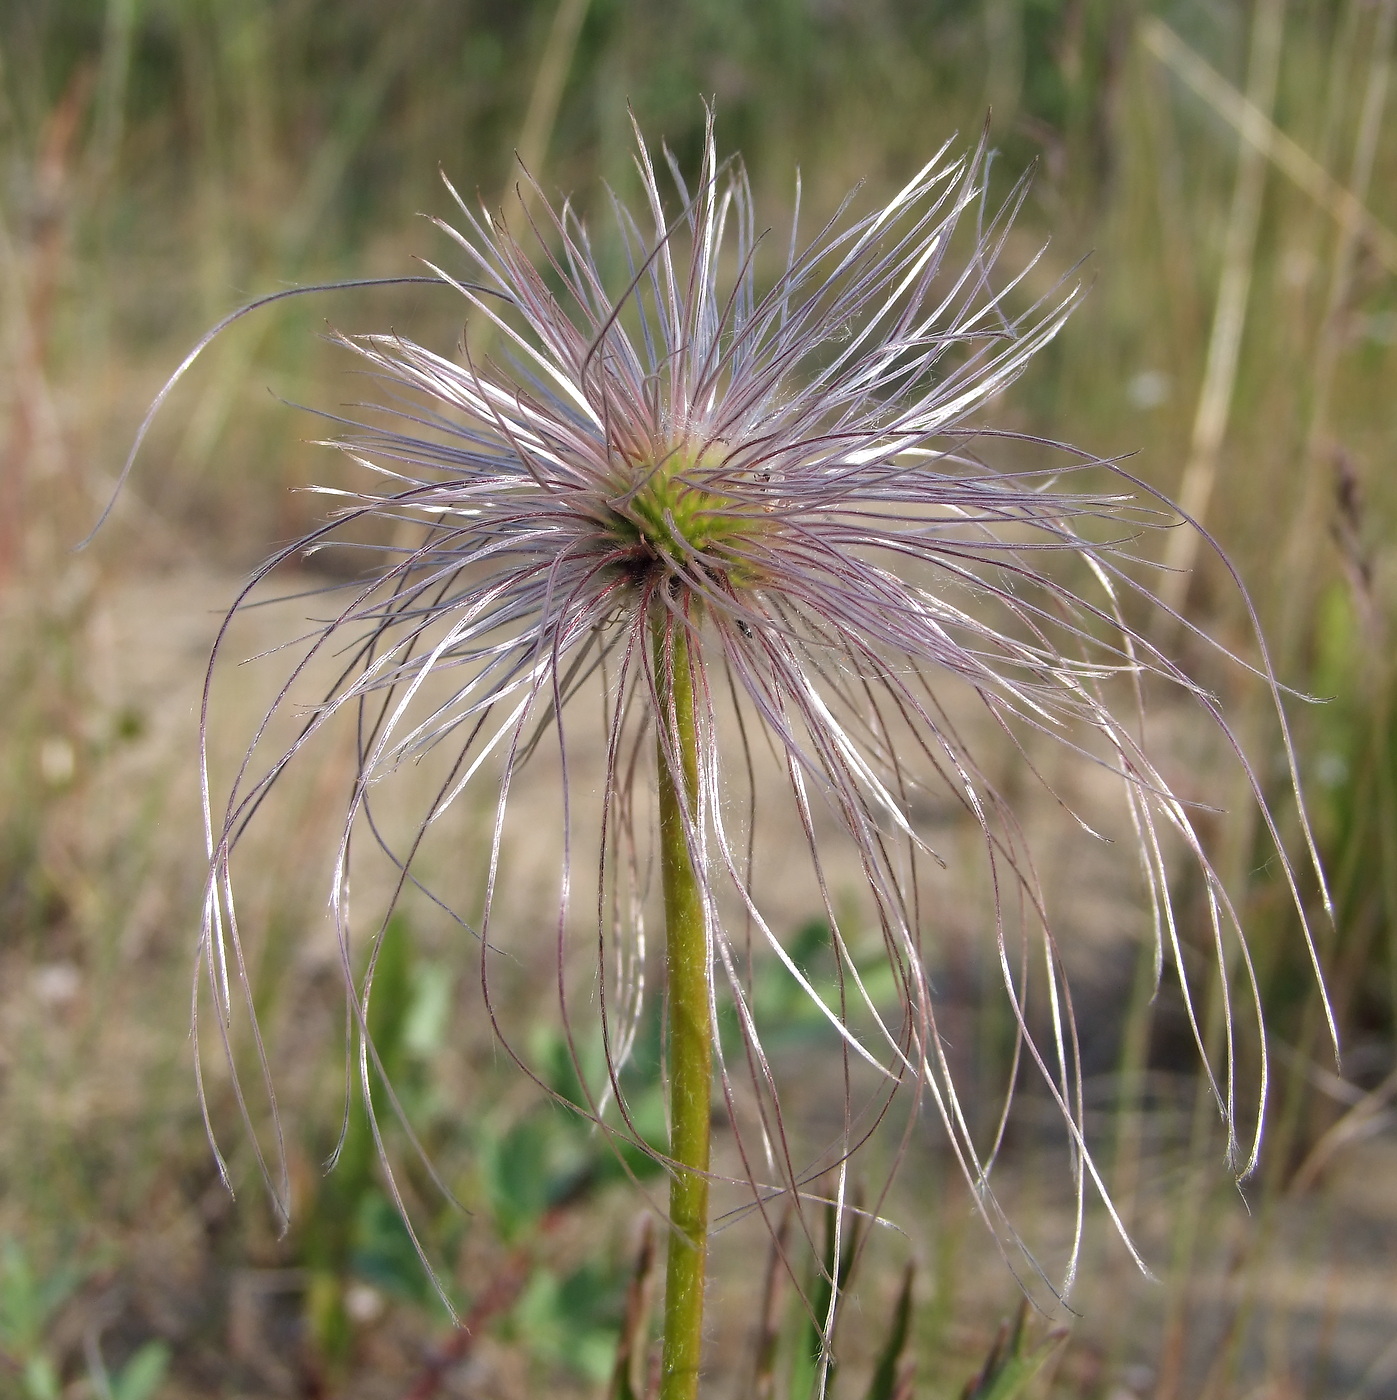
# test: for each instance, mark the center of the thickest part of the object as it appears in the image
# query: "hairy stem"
(690, 1048)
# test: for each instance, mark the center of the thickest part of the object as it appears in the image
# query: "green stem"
(690, 1049)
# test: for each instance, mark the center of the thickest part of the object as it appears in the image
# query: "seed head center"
(687, 508)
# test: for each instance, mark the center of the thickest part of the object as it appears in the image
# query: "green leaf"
(27, 1301)
(428, 1018)
(383, 1253)
(140, 1378)
(811, 1362)
(571, 1321)
(41, 1378)
(1009, 1368)
(883, 1386)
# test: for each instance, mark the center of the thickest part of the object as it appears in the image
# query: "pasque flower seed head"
(784, 472)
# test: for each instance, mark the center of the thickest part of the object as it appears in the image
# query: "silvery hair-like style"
(783, 469)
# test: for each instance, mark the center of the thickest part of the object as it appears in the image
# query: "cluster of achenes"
(746, 510)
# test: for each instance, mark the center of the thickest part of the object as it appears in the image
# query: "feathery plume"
(742, 528)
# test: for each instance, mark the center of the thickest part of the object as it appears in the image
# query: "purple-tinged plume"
(665, 440)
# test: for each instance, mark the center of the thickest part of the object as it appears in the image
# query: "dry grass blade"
(1229, 315)
(1256, 128)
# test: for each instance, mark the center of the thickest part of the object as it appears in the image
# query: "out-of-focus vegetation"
(1229, 167)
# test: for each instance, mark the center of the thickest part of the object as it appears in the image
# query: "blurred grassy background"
(163, 160)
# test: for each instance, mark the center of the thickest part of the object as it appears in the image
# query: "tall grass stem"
(1335, 332)
(542, 115)
(1230, 314)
